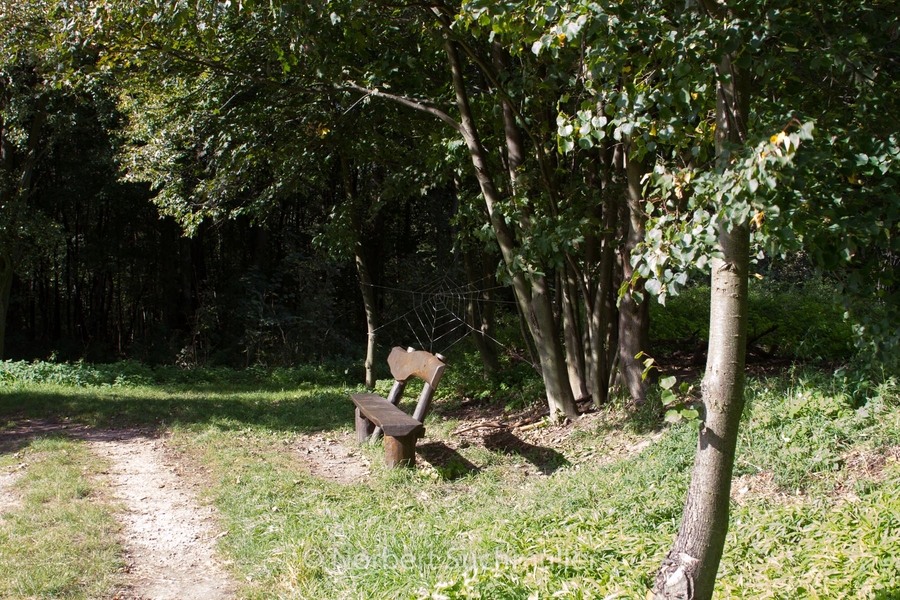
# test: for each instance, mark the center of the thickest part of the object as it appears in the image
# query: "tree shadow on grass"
(18, 436)
(891, 594)
(547, 460)
(119, 408)
(449, 464)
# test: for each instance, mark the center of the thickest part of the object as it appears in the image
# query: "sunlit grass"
(812, 523)
(59, 539)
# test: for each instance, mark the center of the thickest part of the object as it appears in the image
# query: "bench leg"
(400, 452)
(364, 428)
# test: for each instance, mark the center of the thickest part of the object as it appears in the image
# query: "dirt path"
(169, 538)
(8, 500)
(332, 457)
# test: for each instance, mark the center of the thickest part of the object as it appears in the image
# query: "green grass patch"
(278, 400)
(59, 540)
(827, 528)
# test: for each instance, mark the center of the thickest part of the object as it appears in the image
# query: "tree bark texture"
(689, 570)
(365, 277)
(634, 316)
(603, 311)
(532, 293)
(368, 296)
(575, 362)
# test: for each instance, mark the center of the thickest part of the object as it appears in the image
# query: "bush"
(810, 322)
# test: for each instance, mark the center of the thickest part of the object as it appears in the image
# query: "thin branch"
(408, 102)
(223, 68)
(714, 9)
(420, 105)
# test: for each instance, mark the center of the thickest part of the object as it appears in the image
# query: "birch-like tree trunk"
(689, 570)
(532, 292)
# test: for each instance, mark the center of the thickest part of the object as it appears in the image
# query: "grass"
(59, 539)
(820, 519)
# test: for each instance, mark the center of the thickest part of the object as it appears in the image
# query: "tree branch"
(420, 105)
(408, 102)
(441, 13)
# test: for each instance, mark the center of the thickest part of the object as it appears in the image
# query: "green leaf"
(672, 416)
(666, 383)
(689, 413)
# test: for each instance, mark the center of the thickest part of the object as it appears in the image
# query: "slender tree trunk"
(634, 315)
(7, 266)
(597, 283)
(481, 318)
(7, 271)
(532, 292)
(689, 570)
(365, 278)
(575, 362)
(368, 296)
(603, 310)
(14, 199)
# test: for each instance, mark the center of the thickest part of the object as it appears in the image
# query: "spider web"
(435, 313)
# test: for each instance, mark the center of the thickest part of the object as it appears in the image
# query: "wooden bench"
(376, 415)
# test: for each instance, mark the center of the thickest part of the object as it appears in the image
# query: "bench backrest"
(406, 364)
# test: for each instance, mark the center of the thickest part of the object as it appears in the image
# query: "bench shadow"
(449, 463)
(546, 460)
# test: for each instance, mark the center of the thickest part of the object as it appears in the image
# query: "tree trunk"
(7, 267)
(14, 200)
(7, 271)
(532, 293)
(365, 278)
(368, 296)
(634, 315)
(575, 362)
(481, 318)
(603, 310)
(689, 570)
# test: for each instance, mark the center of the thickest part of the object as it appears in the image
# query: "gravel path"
(169, 538)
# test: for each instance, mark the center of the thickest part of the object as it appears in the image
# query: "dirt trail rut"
(169, 538)
(8, 500)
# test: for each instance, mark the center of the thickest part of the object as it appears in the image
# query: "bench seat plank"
(391, 419)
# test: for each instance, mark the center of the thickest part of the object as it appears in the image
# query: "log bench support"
(376, 415)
